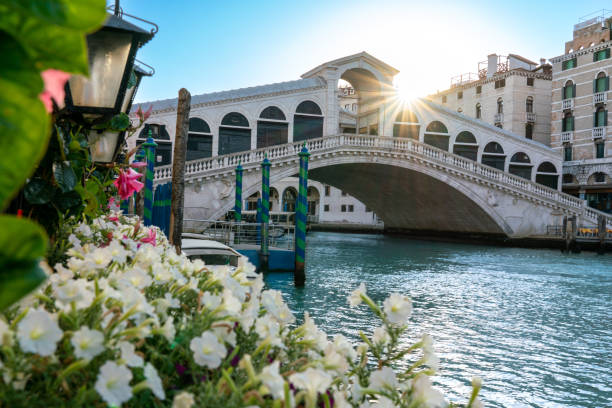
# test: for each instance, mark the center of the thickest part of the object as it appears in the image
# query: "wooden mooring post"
(601, 234)
(178, 169)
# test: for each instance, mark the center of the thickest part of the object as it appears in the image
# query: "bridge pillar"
(299, 276)
(149, 146)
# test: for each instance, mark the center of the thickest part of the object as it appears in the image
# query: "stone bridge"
(411, 185)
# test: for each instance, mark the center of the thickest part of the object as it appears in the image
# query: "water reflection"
(534, 324)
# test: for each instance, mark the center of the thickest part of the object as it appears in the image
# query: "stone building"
(510, 92)
(580, 93)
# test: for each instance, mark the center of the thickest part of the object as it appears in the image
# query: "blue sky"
(208, 46)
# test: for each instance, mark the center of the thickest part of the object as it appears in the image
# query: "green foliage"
(35, 35)
(22, 246)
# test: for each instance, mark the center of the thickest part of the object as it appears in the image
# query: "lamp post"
(112, 82)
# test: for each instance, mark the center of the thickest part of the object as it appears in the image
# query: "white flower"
(380, 336)
(344, 346)
(76, 243)
(128, 354)
(113, 383)
(383, 379)
(117, 252)
(183, 399)
(272, 301)
(383, 402)
(231, 305)
(73, 291)
(154, 382)
(398, 308)
(6, 336)
(168, 330)
(423, 395)
(273, 380)
(87, 343)
(340, 400)
(312, 380)
(354, 298)
(84, 230)
(207, 350)
(38, 332)
(99, 258)
(210, 301)
(268, 328)
(136, 277)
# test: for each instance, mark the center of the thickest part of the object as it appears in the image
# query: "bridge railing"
(387, 145)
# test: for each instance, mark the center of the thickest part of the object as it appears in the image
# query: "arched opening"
(307, 122)
(436, 135)
(199, 139)
(406, 125)
(466, 145)
(569, 90)
(234, 134)
(600, 117)
(478, 113)
(163, 151)
(601, 83)
(520, 165)
(599, 177)
(493, 155)
(569, 179)
(272, 127)
(251, 201)
(274, 202)
(500, 105)
(289, 199)
(367, 96)
(349, 102)
(546, 174)
(312, 198)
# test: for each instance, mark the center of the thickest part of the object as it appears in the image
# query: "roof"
(518, 57)
(383, 66)
(253, 91)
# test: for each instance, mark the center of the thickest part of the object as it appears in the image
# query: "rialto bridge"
(418, 165)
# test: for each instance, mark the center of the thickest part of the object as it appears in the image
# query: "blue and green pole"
(139, 197)
(149, 147)
(265, 212)
(238, 203)
(299, 276)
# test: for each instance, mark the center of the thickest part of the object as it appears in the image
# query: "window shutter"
(594, 119)
(607, 83)
(595, 55)
(594, 86)
(564, 93)
(574, 91)
(571, 123)
(605, 118)
(607, 53)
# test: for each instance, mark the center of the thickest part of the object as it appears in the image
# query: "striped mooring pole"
(238, 203)
(149, 147)
(265, 212)
(299, 276)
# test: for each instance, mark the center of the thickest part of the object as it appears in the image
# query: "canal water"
(536, 325)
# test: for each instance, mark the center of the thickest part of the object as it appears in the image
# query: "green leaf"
(22, 245)
(120, 122)
(38, 191)
(64, 176)
(132, 81)
(17, 66)
(65, 201)
(24, 132)
(82, 15)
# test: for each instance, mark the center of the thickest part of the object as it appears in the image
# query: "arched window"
(466, 145)
(307, 121)
(520, 165)
(272, 127)
(274, 203)
(547, 175)
(601, 83)
(234, 134)
(529, 130)
(493, 155)
(500, 105)
(600, 117)
(459, 110)
(289, 198)
(568, 179)
(598, 177)
(569, 90)
(529, 104)
(313, 200)
(436, 135)
(567, 125)
(478, 111)
(199, 139)
(251, 201)
(163, 151)
(406, 125)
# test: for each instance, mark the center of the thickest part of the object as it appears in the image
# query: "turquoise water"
(536, 325)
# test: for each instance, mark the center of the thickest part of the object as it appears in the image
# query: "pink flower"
(143, 116)
(54, 88)
(150, 239)
(127, 183)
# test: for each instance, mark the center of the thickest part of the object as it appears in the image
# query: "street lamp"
(112, 51)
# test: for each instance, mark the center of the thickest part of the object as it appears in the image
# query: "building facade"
(580, 99)
(510, 92)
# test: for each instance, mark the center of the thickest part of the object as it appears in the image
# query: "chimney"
(542, 61)
(492, 65)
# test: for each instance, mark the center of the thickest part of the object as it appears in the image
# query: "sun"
(406, 94)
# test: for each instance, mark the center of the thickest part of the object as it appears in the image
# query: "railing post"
(238, 203)
(149, 146)
(265, 212)
(299, 276)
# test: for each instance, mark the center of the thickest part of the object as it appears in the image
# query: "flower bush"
(125, 321)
